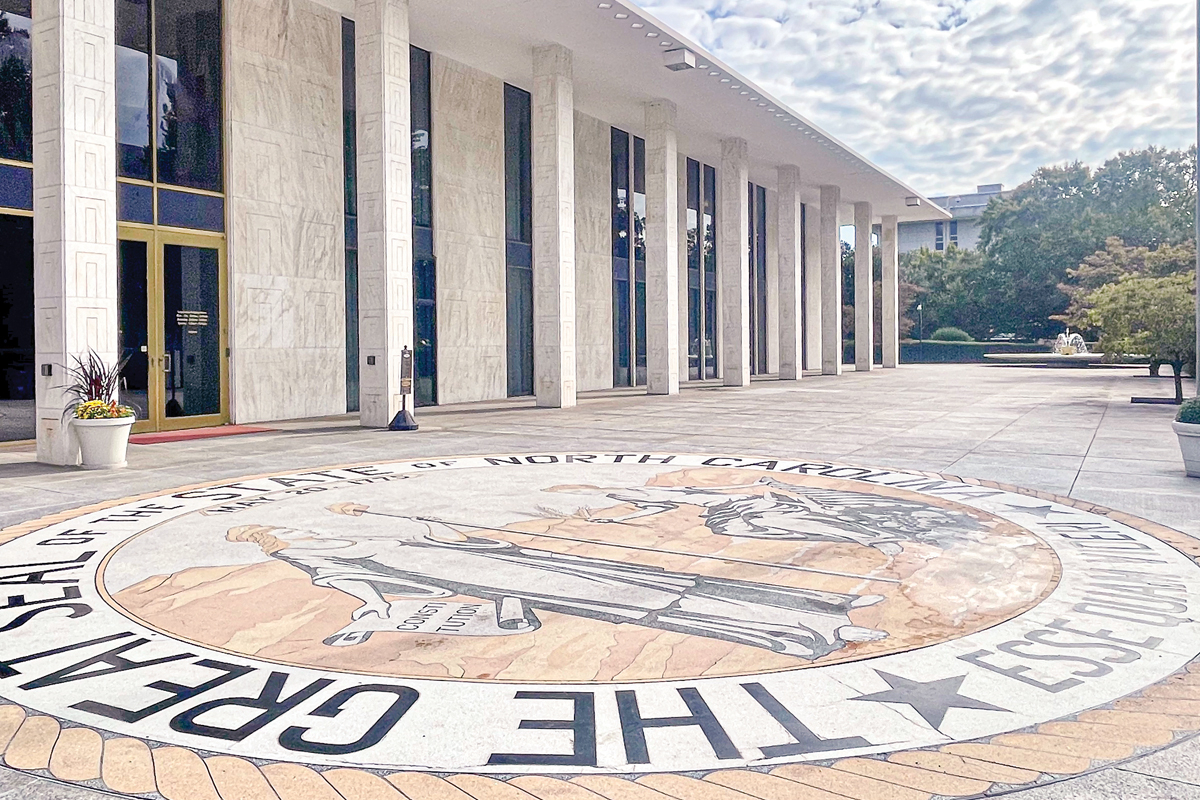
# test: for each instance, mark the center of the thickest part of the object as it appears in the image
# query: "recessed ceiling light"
(702, 66)
(736, 86)
(744, 92)
(713, 74)
(652, 34)
(725, 80)
(622, 15)
(605, 5)
(639, 24)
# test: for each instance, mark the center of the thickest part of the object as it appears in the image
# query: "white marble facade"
(468, 231)
(286, 247)
(593, 253)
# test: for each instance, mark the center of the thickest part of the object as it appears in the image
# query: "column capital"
(788, 172)
(553, 59)
(735, 147)
(661, 111)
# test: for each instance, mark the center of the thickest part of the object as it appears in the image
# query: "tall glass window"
(758, 278)
(695, 309)
(16, 81)
(621, 236)
(804, 285)
(709, 223)
(187, 45)
(518, 233)
(424, 265)
(702, 271)
(350, 170)
(629, 259)
(134, 157)
(639, 260)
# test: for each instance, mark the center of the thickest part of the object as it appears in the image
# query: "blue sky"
(948, 94)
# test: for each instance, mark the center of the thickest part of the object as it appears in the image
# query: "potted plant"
(1187, 428)
(101, 425)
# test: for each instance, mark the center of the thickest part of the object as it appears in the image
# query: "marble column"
(385, 286)
(889, 247)
(683, 267)
(733, 261)
(791, 343)
(831, 280)
(662, 249)
(554, 227)
(812, 284)
(75, 202)
(772, 214)
(864, 290)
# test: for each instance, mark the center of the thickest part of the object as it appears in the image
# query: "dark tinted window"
(422, 139)
(188, 92)
(133, 89)
(518, 166)
(16, 81)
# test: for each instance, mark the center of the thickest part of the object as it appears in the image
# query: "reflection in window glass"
(639, 260)
(422, 134)
(133, 89)
(710, 272)
(188, 92)
(16, 81)
(620, 242)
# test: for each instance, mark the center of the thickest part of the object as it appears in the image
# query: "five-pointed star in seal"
(931, 700)
(1036, 511)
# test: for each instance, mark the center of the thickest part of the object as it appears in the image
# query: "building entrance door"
(173, 329)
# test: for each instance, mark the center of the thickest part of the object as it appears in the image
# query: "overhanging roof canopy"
(619, 66)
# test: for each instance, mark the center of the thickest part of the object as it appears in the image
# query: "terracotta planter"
(1189, 443)
(103, 442)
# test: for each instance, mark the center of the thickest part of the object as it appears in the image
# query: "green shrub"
(951, 335)
(1189, 412)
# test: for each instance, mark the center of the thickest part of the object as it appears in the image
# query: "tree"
(947, 284)
(1050, 224)
(1116, 261)
(1151, 316)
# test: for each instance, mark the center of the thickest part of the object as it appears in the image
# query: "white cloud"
(950, 93)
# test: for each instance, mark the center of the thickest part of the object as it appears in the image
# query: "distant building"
(962, 231)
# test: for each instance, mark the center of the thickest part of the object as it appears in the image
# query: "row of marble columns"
(385, 269)
(75, 239)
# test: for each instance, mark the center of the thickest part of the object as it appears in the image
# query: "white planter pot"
(103, 442)
(1189, 443)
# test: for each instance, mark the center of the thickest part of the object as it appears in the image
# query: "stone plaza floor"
(937, 581)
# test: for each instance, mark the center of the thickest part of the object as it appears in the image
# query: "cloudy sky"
(947, 94)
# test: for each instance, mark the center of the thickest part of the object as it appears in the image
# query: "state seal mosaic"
(657, 622)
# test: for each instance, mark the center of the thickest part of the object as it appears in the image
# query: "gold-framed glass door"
(174, 328)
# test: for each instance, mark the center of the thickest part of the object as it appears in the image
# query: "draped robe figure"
(428, 560)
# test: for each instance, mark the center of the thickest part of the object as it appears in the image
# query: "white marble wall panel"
(812, 284)
(831, 281)
(468, 230)
(733, 261)
(864, 290)
(554, 381)
(772, 212)
(74, 195)
(593, 253)
(286, 246)
(889, 239)
(662, 249)
(791, 342)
